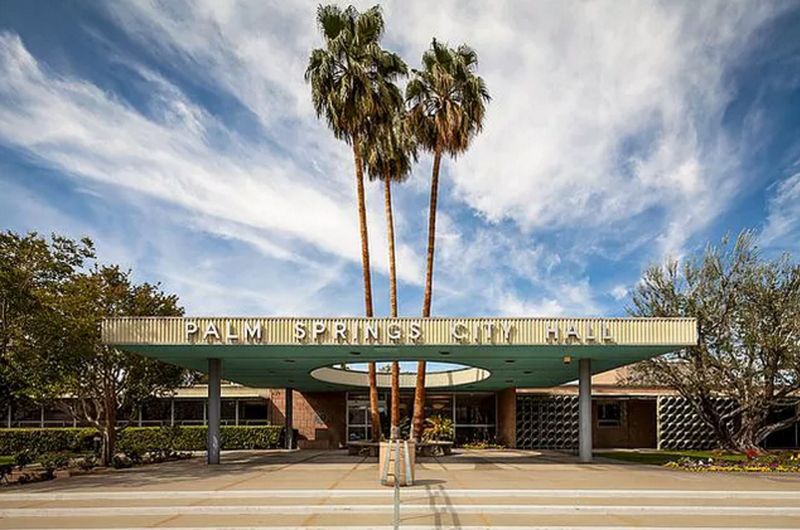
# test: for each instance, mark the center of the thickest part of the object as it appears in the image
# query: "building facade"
(623, 416)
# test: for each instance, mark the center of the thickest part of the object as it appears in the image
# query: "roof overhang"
(507, 352)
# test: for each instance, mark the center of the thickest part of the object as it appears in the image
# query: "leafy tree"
(390, 152)
(748, 315)
(53, 300)
(34, 274)
(447, 107)
(110, 385)
(352, 87)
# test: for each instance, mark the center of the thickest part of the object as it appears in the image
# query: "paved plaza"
(470, 489)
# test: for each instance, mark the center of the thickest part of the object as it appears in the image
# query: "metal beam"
(585, 410)
(214, 410)
(287, 414)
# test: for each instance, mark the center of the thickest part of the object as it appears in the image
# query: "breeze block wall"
(679, 426)
(547, 422)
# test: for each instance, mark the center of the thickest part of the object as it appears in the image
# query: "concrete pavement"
(471, 489)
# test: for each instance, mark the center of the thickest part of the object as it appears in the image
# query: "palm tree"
(447, 107)
(389, 154)
(351, 87)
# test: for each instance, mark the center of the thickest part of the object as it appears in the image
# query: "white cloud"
(241, 191)
(782, 226)
(601, 111)
(604, 138)
(619, 292)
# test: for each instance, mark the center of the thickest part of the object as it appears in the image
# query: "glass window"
(439, 405)
(355, 434)
(609, 414)
(252, 411)
(156, 412)
(475, 409)
(189, 411)
(474, 434)
(228, 411)
(356, 414)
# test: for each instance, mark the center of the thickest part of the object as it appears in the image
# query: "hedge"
(138, 439)
(41, 441)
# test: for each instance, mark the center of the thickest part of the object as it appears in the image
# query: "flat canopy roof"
(300, 352)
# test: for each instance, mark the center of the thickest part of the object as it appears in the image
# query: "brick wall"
(318, 417)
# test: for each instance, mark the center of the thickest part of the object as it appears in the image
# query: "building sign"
(392, 332)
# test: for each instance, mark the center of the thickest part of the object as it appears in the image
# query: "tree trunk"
(373, 404)
(367, 276)
(419, 390)
(109, 436)
(387, 203)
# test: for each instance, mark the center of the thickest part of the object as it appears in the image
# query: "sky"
(181, 138)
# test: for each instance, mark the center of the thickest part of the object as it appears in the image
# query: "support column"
(585, 410)
(287, 414)
(214, 409)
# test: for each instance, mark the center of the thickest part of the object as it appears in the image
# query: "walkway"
(500, 489)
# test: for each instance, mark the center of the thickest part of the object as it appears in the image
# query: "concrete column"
(214, 409)
(172, 412)
(41, 416)
(236, 412)
(585, 410)
(287, 414)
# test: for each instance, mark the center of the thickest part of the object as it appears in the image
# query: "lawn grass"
(659, 458)
(6, 459)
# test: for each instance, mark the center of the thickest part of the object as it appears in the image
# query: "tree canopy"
(747, 361)
(54, 295)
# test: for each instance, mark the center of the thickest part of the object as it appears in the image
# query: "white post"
(172, 412)
(41, 416)
(139, 422)
(585, 410)
(214, 409)
(236, 412)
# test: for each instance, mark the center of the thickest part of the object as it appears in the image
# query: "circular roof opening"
(458, 375)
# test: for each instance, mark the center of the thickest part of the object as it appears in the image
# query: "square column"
(287, 415)
(214, 410)
(585, 410)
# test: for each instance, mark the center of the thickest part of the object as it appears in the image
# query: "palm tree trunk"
(362, 226)
(366, 273)
(375, 414)
(419, 390)
(387, 204)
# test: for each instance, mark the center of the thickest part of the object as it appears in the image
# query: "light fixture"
(444, 353)
(509, 361)
(355, 353)
(567, 359)
(288, 360)
(527, 372)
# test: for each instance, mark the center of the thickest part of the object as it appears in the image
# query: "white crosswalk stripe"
(589, 509)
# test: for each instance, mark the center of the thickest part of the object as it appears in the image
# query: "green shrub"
(141, 440)
(22, 459)
(136, 441)
(438, 429)
(52, 462)
(42, 441)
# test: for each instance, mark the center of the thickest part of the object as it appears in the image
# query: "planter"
(434, 448)
(385, 453)
(362, 448)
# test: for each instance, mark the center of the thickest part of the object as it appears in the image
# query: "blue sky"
(180, 137)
